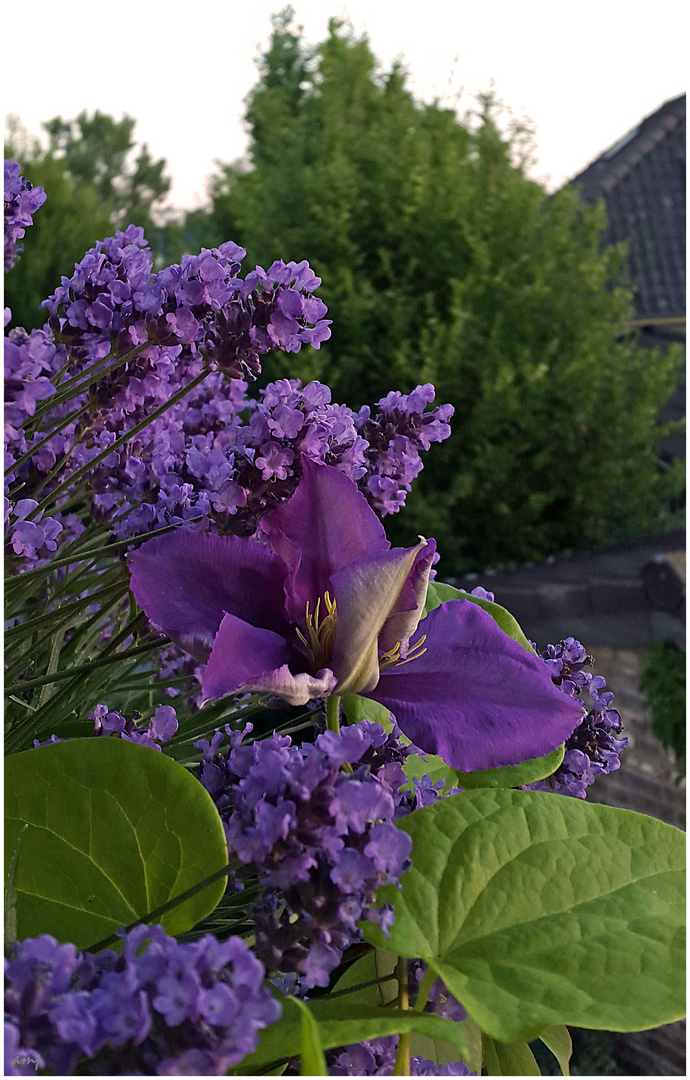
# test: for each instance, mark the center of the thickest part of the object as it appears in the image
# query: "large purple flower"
(325, 606)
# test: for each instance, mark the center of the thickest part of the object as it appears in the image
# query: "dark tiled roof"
(642, 180)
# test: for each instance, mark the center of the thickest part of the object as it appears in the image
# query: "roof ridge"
(653, 128)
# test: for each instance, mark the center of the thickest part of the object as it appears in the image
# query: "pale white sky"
(583, 73)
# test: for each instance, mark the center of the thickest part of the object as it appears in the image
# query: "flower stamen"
(321, 633)
(393, 655)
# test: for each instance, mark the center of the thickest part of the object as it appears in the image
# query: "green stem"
(84, 669)
(333, 723)
(424, 990)
(52, 664)
(402, 1061)
(333, 713)
(101, 553)
(46, 438)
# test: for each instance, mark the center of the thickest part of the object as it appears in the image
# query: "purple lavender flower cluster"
(33, 540)
(593, 749)
(22, 200)
(323, 839)
(172, 1009)
(160, 729)
(30, 363)
(201, 460)
(395, 435)
(163, 331)
(150, 335)
(200, 309)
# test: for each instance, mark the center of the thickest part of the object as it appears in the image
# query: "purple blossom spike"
(162, 726)
(321, 839)
(22, 200)
(594, 747)
(163, 1008)
(395, 435)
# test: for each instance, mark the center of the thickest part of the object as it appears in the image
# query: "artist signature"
(26, 1059)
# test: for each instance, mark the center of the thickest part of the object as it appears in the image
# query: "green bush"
(442, 262)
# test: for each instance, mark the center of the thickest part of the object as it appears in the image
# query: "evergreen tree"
(442, 261)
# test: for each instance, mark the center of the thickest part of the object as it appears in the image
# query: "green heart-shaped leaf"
(115, 831)
(538, 909)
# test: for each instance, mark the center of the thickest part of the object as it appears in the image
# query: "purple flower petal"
(324, 526)
(186, 581)
(250, 658)
(476, 697)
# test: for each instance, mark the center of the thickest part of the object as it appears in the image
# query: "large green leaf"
(115, 830)
(537, 909)
(439, 592)
(341, 1023)
(509, 1059)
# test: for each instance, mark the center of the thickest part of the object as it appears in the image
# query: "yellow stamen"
(393, 655)
(409, 658)
(321, 632)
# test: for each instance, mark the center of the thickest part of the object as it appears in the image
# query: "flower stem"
(424, 990)
(333, 713)
(402, 1061)
(333, 723)
(84, 669)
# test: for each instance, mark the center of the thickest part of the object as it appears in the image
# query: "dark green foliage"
(442, 262)
(663, 682)
(93, 188)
